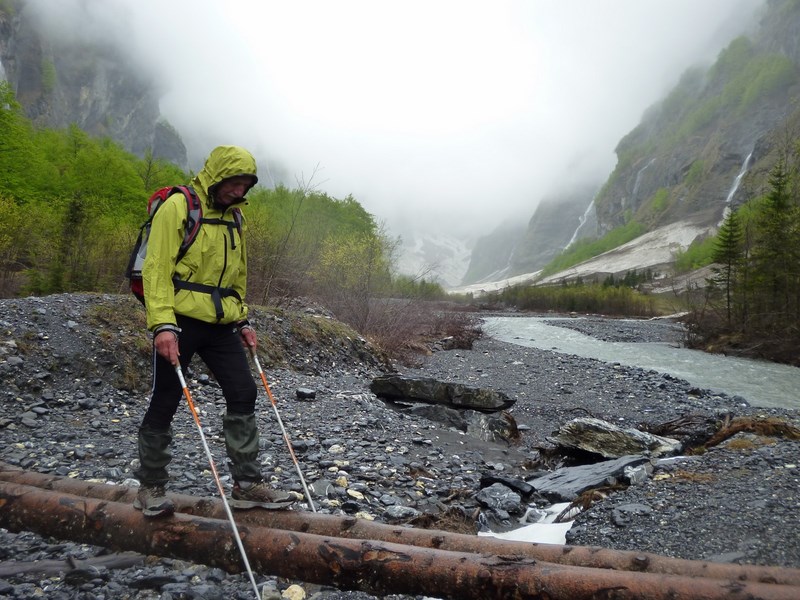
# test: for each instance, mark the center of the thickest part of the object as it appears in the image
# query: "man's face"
(231, 190)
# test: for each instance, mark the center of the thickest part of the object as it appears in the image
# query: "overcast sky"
(432, 112)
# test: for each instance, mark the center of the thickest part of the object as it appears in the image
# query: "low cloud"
(456, 113)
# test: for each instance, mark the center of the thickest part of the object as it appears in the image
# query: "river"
(760, 383)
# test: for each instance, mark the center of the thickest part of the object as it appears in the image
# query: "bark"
(379, 568)
(351, 527)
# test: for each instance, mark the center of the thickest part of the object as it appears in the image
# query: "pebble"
(365, 458)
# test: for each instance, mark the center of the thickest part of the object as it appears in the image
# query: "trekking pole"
(236, 535)
(283, 429)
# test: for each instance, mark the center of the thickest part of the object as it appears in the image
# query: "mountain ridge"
(705, 148)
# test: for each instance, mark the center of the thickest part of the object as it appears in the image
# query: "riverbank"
(738, 502)
(757, 382)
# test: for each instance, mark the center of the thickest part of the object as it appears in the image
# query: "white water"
(581, 222)
(738, 181)
(761, 383)
(638, 180)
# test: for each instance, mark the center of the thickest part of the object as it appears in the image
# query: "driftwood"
(352, 527)
(353, 564)
(120, 560)
(771, 426)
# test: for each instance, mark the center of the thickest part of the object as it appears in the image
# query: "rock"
(429, 390)
(305, 394)
(610, 441)
(566, 484)
(490, 428)
(621, 515)
(397, 512)
(518, 485)
(500, 498)
(294, 592)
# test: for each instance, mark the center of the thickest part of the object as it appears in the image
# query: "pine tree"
(775, 255)
(728, 253)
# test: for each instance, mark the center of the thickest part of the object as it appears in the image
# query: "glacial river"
(761, 383)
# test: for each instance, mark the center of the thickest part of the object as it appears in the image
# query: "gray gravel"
(739, 502)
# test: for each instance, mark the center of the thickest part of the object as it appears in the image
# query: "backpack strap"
(231, 225)
(216, 293)
(194, 216)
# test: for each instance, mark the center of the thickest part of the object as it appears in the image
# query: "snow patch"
(656, 249)
(435, 257)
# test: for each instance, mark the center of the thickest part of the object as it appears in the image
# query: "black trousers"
(220, 347)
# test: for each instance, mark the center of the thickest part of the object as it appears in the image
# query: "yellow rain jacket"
(217, 258)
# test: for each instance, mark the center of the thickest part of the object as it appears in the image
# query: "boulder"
(610, 441)
(490, 428)
(400, 388)
(567, 483)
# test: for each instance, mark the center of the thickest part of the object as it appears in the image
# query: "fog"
(447, 113)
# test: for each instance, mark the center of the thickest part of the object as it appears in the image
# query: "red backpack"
(192, 226)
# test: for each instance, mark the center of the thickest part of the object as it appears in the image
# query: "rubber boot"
(154, 456)
(241, 444)
(249, 490)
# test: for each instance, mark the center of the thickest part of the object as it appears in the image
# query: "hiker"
(196, 306)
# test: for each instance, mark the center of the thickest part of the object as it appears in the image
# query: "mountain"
(706, 147)
(687, 158)
(557, 222)
(441, 258)
(64, 79)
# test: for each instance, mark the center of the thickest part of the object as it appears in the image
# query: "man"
(196, 306)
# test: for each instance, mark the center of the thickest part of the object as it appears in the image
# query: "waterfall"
(639, 178)
(581, 222)
(738, 180)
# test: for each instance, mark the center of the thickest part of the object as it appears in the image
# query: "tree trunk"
(351, 527)
(379, 568)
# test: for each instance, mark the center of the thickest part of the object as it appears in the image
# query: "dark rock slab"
(566, 484)
(432, 391)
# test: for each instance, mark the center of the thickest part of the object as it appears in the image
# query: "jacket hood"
(222, 163)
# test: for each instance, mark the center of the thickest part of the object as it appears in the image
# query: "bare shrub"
(409, 329)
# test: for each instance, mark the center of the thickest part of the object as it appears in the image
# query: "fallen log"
(379, 568)
(351, 527)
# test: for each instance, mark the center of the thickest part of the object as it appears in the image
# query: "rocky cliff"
(687, 158)
(707, 146)
(513, 249)
(64, 79)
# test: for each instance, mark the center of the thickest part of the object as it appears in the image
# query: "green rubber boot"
(249, 489)
(154, 456)
(241, 444)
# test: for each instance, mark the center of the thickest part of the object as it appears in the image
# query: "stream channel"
(760, 383)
